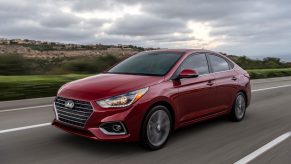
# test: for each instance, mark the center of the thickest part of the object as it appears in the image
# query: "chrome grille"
(77, 116)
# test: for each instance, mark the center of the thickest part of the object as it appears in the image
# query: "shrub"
(13, 64)
(267, 73)
(90, 65)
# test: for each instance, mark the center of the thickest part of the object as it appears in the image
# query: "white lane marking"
(24, 128)
(24, 108)
(263, 89)
(263, 149)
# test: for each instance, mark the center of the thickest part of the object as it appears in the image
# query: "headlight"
(123, 100)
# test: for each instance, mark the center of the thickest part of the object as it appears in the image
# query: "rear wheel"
(238, 108)
(156, 128)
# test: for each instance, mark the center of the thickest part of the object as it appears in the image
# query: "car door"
(225, 80)
(196, 95)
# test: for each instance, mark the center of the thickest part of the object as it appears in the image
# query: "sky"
(241, 27)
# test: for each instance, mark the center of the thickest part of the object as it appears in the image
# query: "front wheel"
(238, 108)
(156, 128)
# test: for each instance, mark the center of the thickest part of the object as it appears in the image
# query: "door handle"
(210, 83)
(234, 78)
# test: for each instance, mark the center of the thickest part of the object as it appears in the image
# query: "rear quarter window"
(218, 63)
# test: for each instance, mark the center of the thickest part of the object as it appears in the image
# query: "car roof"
(182, 50)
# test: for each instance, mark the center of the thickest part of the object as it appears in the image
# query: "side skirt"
(183, 124)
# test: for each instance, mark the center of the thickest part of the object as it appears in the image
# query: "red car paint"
(190, 100)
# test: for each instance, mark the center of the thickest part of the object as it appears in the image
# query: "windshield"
(147, 63)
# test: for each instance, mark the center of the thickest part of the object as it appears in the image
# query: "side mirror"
(188, 73)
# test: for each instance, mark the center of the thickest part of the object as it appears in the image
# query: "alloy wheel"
(240, 106)
(158, 128)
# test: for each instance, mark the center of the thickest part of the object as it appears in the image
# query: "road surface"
(27, 138)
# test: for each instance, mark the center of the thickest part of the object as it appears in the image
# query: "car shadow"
(111, 148)
(90, 145)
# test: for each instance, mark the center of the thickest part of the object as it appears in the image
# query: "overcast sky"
(246, 27)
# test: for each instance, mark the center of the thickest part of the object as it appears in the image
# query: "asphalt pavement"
(213, 141)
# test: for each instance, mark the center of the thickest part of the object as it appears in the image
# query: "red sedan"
(147, 96)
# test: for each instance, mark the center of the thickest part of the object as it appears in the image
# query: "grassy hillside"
(22, 87)
(267, 73)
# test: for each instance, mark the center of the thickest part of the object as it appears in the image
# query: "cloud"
(251, 27)
(146, 25)
(90, 5)
(59, 20)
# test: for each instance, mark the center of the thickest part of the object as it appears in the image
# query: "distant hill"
(55, 52)
(43, 49)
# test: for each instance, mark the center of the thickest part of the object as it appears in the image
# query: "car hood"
(106, 85)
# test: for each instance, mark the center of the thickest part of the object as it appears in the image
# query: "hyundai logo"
(69, 104)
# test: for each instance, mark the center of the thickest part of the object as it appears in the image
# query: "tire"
(238, 110)
(156, 128)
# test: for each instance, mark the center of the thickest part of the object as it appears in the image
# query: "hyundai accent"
(149, 95)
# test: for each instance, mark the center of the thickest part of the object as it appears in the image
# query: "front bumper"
(130, 118)
(92, 133)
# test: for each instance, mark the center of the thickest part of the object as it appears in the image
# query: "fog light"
(113, 128)
(116, 128)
